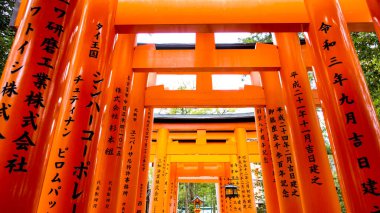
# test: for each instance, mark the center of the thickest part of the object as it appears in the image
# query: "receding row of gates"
(77, 96)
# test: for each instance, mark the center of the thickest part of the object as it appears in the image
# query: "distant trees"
(258, 37)
(6, 33)
(188, 191)
(367, 47)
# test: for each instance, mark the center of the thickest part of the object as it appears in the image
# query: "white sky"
(172, 82)
(158, 38)
(220, 82)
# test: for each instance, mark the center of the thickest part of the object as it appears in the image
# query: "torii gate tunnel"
(77, 94)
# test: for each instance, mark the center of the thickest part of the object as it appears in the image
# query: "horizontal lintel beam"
(191, 180)
(192, 149)
(209, 135)
(154, 16)
(249, 126)
(158, 97)
(205, 158)
(264, 58)
(251, 96)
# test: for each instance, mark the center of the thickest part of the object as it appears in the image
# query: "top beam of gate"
(206, 16)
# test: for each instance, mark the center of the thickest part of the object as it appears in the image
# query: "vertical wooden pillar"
(226, 178)
(157, 195)
(228, 201)
(281, 145)
(23, 7)
(269, 181)
(73, 153)
(144, 161)
(27, 106)
(204, 46)
(175, 201)
(103, 195)
(247, 195)
(167, 185)
(235, 204)
(356, 130)
(329, 117)
(175, 197)
(173, 188)
(145, 152)
(374, 8)
(128, 187)
(222, 203)
(316, 181)
(223, 181)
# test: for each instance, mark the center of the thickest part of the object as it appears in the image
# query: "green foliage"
(6, 33)
(262, 37)
(198, 111)
(337, 185)
(188, 191)
(258, 37)
(258, 187)
(367, 47)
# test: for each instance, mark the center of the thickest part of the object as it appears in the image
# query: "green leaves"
(258, 37)
(367, 48)
(6, 33)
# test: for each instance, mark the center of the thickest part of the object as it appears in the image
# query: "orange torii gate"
(76, 98)
(198, 155)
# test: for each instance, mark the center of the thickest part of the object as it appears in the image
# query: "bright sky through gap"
(172, 82)
(187, 38)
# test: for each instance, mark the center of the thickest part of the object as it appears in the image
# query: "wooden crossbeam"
(177, 149)
(250, 96)
(157, 16)
(147, 59)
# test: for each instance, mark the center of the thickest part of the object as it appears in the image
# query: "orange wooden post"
(329, 116)
(269, 181)
(168, 177)
(103, 194)
(173, 188)
(26, 111)
(175, 197)
(144, 161)
(204, 47)
(128, 188)
(71, 163)
(281, 145)
(171, 183)
(247, 196)
(316, 181)
(235, 203)
(223, 181)
(374, 8)
(228, 175)
(228, 201)
(356, 130)
(21, 12)
(145, 152)
(157, 196)
(222, 195)
(173, 208)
